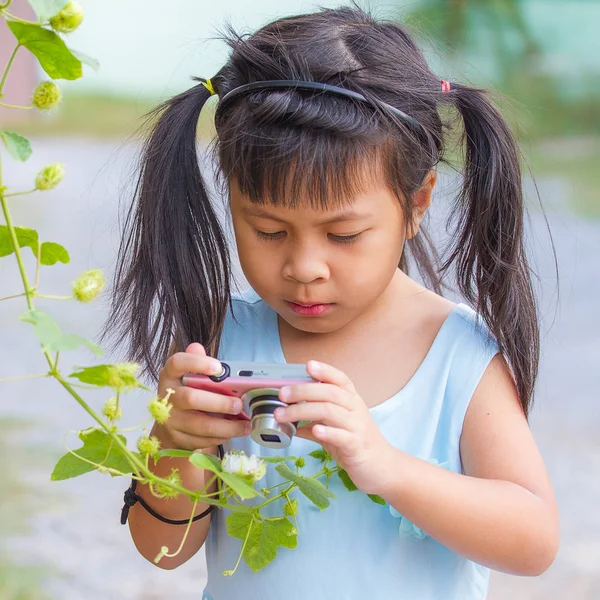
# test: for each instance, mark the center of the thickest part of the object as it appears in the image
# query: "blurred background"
(63, 539)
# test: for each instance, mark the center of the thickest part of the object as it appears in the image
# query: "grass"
(18, 582)
(575, 160)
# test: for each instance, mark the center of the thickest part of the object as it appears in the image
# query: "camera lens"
(260, 404)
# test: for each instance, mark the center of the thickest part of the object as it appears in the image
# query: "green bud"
(68, 19)
(160, 408)
(88, 285)
(290, 508)
(162, 491)
(148, 445)
(111, 410)
(122, 376)
(300, 462)
(49, 177)
(46, 95)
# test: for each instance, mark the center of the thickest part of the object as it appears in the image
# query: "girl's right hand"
(198, 419)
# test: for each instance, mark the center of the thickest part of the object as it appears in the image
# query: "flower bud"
(162, 491)
(121, 376)
(49, 177)
(46, 95)
(111, 410)
(290, 508)
(160, 408)
(300, 462)
(251, 467)
(88, 285)
(148, 445)
(68, 19)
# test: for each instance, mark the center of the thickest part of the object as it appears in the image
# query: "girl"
(328, 139)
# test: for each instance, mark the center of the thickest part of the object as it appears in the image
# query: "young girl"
(329, 133)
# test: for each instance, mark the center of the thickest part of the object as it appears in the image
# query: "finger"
(340, 438)
(190, 362)
(186, 441)
(203, 425)
(187, 398)
(310, 392)
(328, 374)
(306, 433)
(324, 412)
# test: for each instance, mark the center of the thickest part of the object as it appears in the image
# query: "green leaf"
(18, 146)
(25, 237)
(377, 499)
(237, 483)
(98, 447)
(313, 489)
(51, 338)
(88, 60)
(321, 454)
(53, 253)
(45, 9)
(343, 474)
(50, 253)
(279, 459)
(264, 539)
(54, 56)
(108, 376)
(174, 452)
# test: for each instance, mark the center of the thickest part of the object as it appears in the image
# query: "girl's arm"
(149, 534)
(501, 512)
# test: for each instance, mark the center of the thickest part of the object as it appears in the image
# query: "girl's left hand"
(344, 426)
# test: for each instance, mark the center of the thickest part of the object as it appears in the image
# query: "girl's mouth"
(314, 310)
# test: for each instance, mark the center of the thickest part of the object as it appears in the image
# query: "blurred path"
(80, 532)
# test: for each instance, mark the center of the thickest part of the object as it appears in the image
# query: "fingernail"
(216, 368)
(247, 429)
(284, 393)
(237, 406)
(279, 412)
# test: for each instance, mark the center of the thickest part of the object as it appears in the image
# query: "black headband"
(312, 85)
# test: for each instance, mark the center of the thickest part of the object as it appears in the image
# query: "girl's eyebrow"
(343, 216)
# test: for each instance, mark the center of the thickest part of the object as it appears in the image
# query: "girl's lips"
(314, 310)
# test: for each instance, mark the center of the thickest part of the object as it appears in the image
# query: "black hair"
(173, 280)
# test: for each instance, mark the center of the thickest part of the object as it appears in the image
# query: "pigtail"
(172, 277)
(491, 267)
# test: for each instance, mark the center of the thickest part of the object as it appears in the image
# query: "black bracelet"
(130, 498)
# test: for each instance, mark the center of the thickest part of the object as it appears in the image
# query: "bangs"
(306, 168)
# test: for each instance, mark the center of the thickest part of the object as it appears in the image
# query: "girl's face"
(344, 257)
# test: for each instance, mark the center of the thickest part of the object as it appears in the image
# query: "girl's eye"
(263, 235)
(345, 239)
(341, 239)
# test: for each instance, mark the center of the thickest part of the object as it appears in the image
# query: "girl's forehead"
(366, 197)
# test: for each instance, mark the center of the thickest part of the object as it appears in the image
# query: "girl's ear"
(421, 202)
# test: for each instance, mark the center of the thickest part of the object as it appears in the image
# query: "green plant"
(103, 448)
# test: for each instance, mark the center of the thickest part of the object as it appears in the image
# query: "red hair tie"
(445, 87)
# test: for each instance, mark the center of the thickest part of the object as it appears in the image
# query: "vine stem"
(18, 193)
(8, 66)
(15, 18)
(16, 106)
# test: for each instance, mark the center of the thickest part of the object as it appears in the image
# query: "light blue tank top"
(356, 549)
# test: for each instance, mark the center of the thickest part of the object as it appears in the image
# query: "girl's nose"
(305, 264)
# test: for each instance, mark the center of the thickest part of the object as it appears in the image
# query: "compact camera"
(258, 385)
